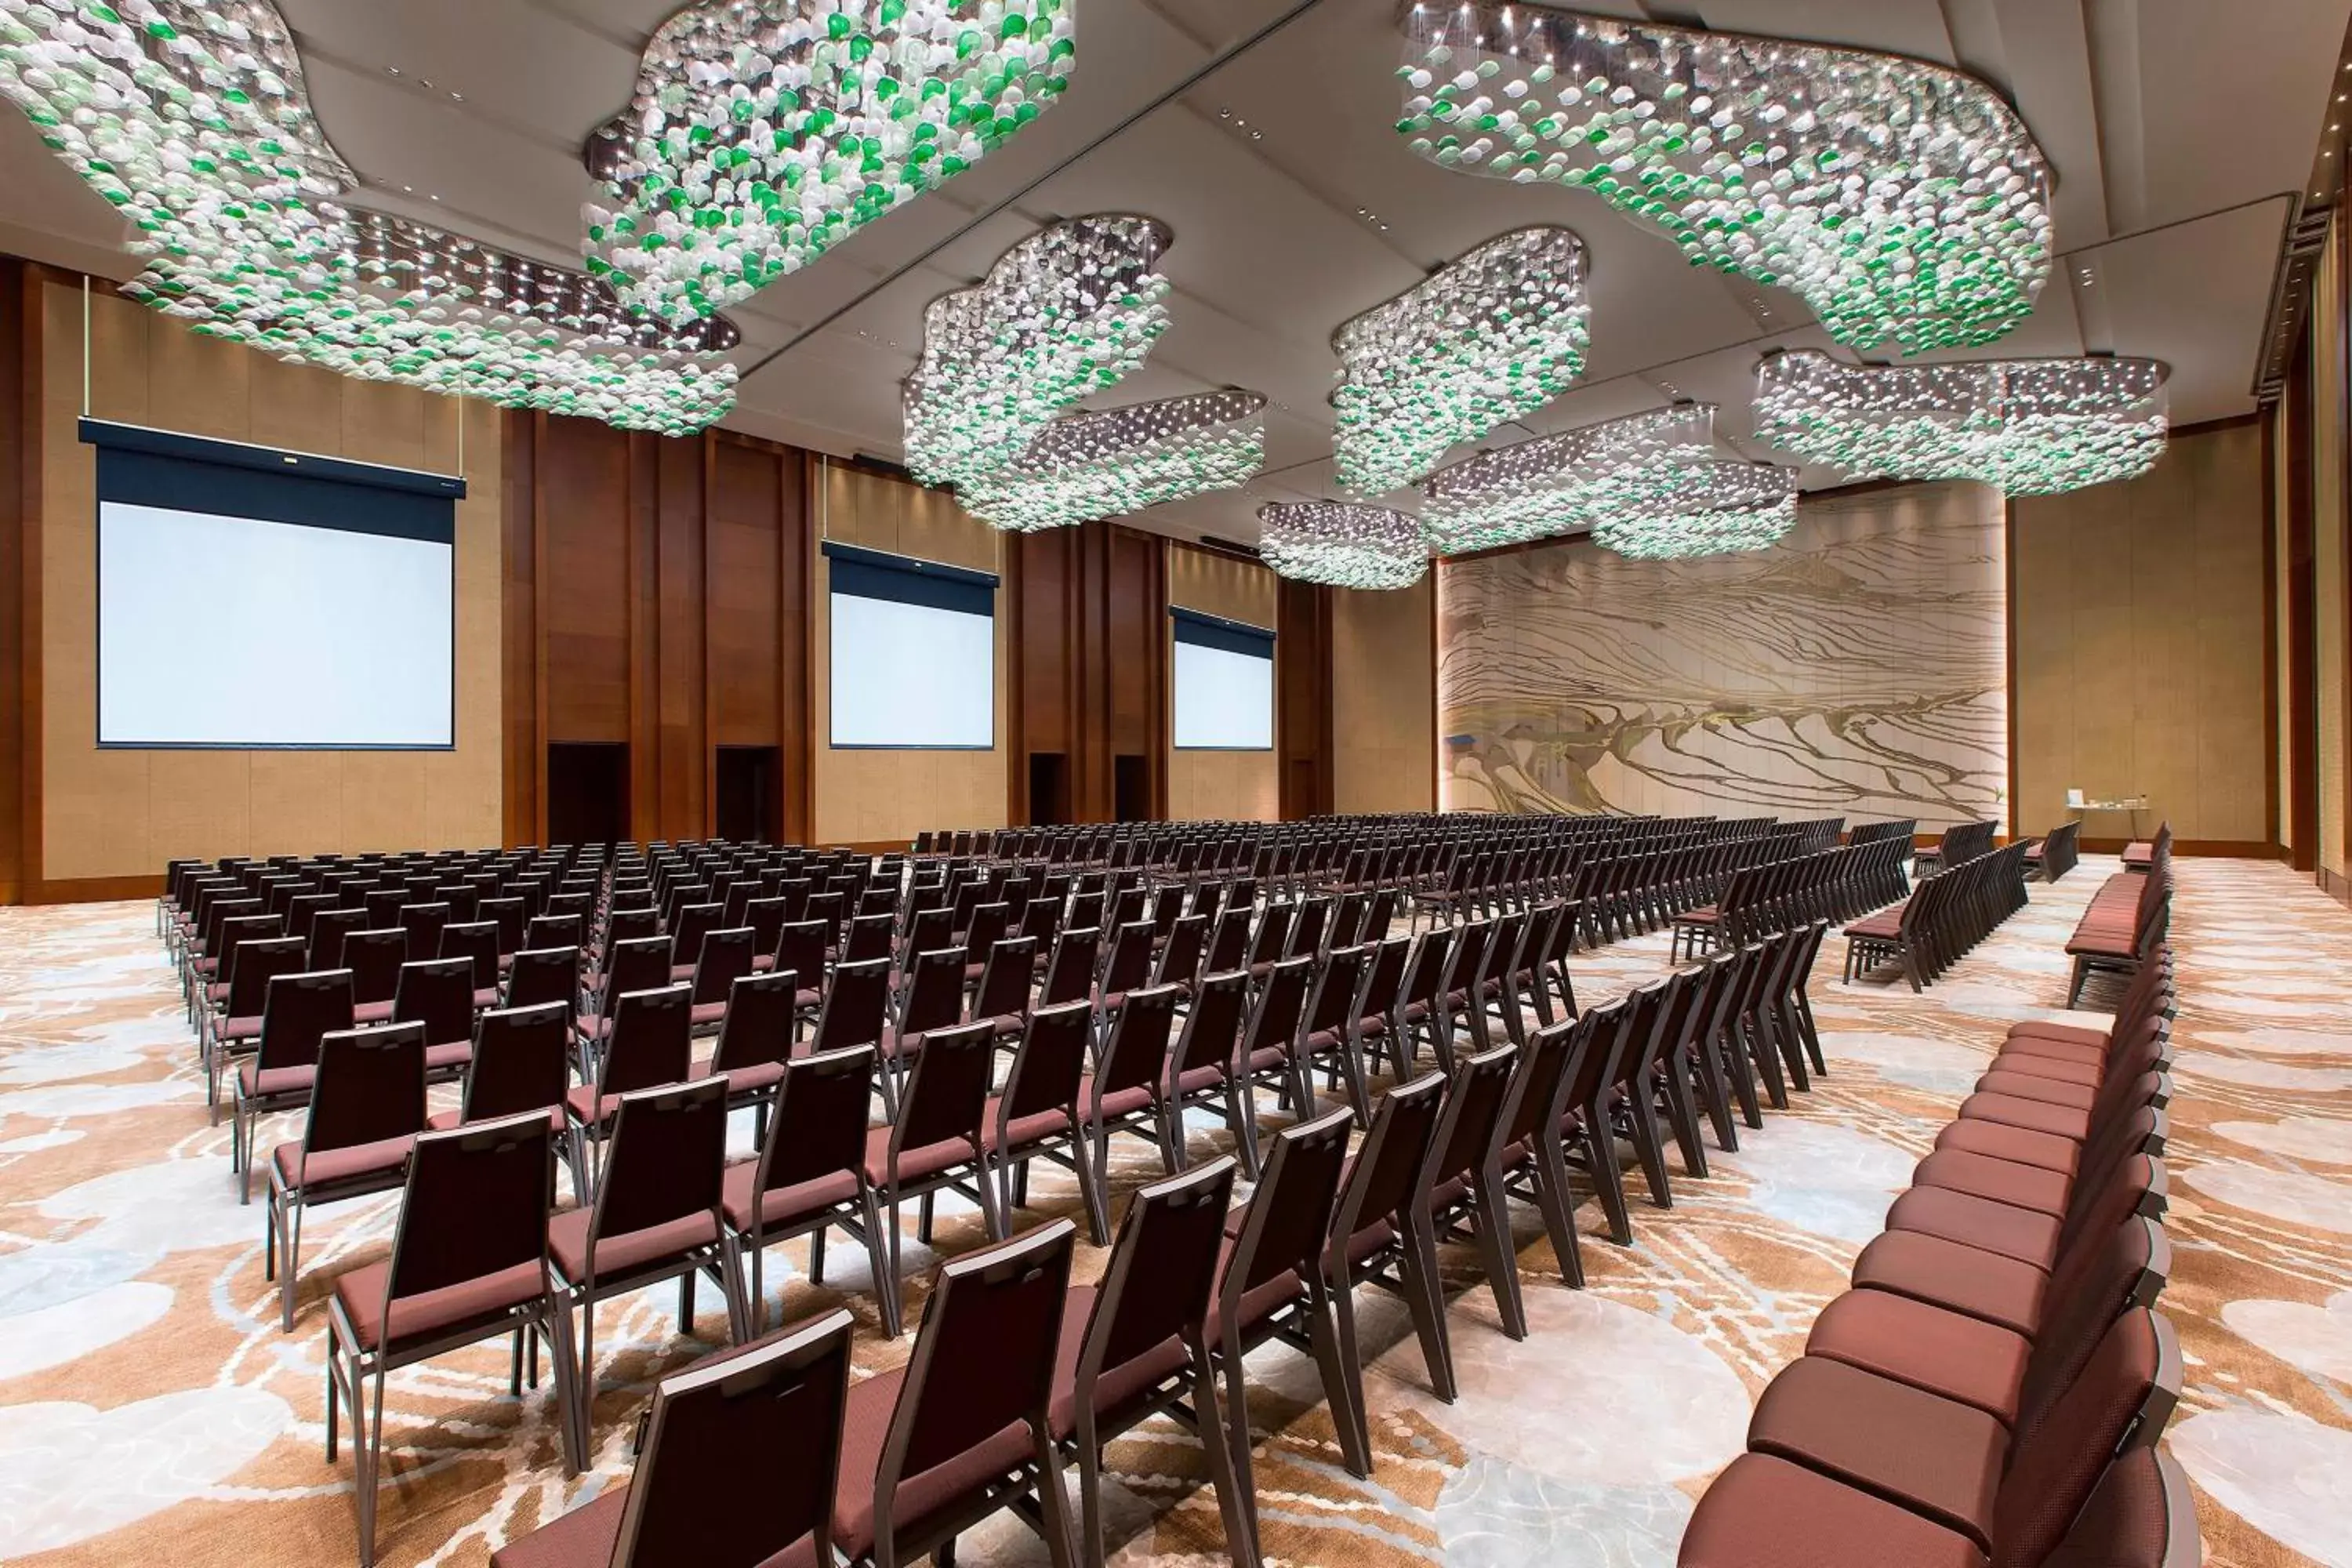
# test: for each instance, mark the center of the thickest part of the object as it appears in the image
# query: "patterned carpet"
(147, 1398)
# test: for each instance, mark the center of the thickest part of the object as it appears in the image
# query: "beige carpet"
(150, 1406)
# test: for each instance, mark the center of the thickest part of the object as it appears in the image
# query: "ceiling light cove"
(1343, 545)
(1066, 314)
(764, 132)
(2030, 426)
(192, 118)
(1903, 201)
(1489, 337)
(1713, 508)
(1552, 485)
(1122, 460)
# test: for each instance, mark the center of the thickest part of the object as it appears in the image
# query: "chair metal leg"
(1424, 1297)
(1494, 1227)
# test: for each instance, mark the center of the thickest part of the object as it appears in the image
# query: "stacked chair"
(1993, 1387)
(1947, 914)
(2055, 853)
(2127, 917)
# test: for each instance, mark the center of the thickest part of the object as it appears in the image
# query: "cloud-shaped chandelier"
(1902, 201)
(1068, 312)
(1711, 507)
(2031, 427)
(1552, 485)
(1491, 337)
(762, 132)
(1122, 460)
(193, 120)
(1342, 544)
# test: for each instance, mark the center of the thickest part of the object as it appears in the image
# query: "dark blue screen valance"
(907, 580)
(140, 467)
(1205, 631)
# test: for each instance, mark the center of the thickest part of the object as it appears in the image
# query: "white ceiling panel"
(2161, 125)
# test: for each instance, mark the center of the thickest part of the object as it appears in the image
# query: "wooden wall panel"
(1088, 676)
(20, 402)
(581, 492)
(2141, 645)
(100, 823)
(672, 575)
(1384, 698)
(1303, 728)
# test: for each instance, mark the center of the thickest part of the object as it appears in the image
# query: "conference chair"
(367, 1106)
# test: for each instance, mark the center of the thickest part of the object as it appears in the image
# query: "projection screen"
(1224, 684)
(913, 653)
(254, 598)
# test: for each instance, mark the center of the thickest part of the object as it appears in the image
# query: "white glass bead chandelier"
(1120, 461)
(1557, 484)
(193, 120)
(1491, 337)
(1341, 544)
(1709, 507)
(2034, 426)
(1063, 314)
(764, 131)
(1902, 201)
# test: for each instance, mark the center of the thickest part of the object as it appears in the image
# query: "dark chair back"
(255, 965)
(521, 1061)
(370, 1088)
(726, 956)
(1212, 1025)
(857, 1005)
(1004, 979)
(946, 1095)
(668, 1158)
(1290, 1212)
(439, 994)
(476, 941)
(1137, 1049)
(1380, 1181)
(820, 1124)
(983, 1357)
(652, 1041)
(762, 1019)
(1048, 1066)
(374, 958)
(1474, 1107)
(476, 1205)
(424, 923)
(1070, 973)
(641, 963)
(740, 1459)
(800, 948)
(299, 1011)
(541, 976)
(1162, 1271)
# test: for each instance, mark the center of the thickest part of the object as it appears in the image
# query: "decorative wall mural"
(1858, 668)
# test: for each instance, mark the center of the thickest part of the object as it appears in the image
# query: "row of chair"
(1826, 885)
(1947, 914)
(2127, 919)
(1962, 843)
(1189, 1292)
(1993, 1387)
(2056, 852)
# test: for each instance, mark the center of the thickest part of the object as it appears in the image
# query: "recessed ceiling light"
(436, 196)
(392, 70)
(408, 190)
(1257, 135)
(426, 85)
(457, 96)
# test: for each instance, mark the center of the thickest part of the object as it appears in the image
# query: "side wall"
(1235, 787)
(102, 823)
(1855, 669)
(2331, 560)
(2141, 629)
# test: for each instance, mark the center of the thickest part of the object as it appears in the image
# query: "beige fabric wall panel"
(2139, 644)
(124, 813)
(1384, 698)
(1856, 669)
(888, 796)
(1221, 586)
(2282, 630)
(1221, 786)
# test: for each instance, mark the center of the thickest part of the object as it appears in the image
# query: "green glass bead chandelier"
(191, 117)
(1342, 545)
(1065, 313)
(2028, 426)
(1120, 461)
(1553, 485)
(1904, 202)
(1714, 507)
(1491, 337)
(762, 132)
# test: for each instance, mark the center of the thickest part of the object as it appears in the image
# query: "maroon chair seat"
(2000, 1291)
(1766, 1512)
(2002, 1181)
(1961, 1358)
(432, 1315)
(2033, 1115)
(1981, 1223)
(1885, 925)
(1940, 1458)
(2018, 1084)
(442, 1120)
(2055, 1068)
(385, 1157)
(2020, 1145)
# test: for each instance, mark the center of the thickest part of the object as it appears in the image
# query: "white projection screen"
(913, 654)
(1224, 685)
(251, 598)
